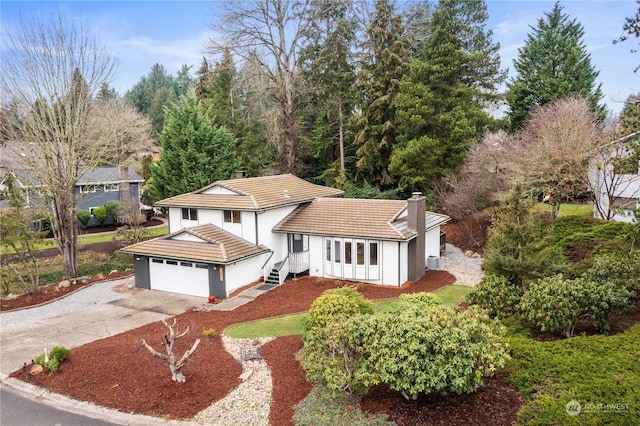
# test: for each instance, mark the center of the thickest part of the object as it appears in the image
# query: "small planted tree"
(111, 207)
(169, 357)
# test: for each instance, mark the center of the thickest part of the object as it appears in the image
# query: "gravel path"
(94, 294)
(466, 269)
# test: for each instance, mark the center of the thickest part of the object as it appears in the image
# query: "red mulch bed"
(118, 372)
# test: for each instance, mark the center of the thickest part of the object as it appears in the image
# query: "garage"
(179, 277)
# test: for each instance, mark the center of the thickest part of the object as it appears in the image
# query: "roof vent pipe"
(286, 194)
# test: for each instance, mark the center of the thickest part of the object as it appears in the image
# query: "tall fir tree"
(195, 153)
(553, 63)
(384, 63)
(442, 100)
(329, 75)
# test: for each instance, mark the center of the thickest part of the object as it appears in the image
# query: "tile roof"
(216, 246)
(350, 217)
(257, 193)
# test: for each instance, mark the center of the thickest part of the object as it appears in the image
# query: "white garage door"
(179, 277)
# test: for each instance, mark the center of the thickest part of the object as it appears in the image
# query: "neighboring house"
(616, 183)
(235, 232)
(93, 189)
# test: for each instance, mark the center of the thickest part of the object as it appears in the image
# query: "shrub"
(56, 356)
(110, 208)
(100, 214)
(623, 270)
(331, 353)
(84, 217)
(335, 304)
(442, 349)
(209, 332)
(496, 295)
(557, 305)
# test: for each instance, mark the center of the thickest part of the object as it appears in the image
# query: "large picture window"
(352, 258)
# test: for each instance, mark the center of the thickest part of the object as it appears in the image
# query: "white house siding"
(244, 272)
(394, 270)
(277, 242)
(628, 187)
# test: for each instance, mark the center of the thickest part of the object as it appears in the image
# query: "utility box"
(433, 263)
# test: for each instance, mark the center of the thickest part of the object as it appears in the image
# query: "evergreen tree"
(441, 105)
(330, 77)
(152, 93)
(552, 64)
(183, 81)
(195, 153)
(630, 115)
(384, 64)
(106, 92)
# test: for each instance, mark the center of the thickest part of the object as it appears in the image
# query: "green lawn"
(88, 239)
(566, 209)
(288, 325)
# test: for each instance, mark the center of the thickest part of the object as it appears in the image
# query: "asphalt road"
(18, 411)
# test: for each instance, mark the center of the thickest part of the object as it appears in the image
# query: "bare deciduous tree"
(551, 153)
(51, 68)
(170, 358)
(268, 32)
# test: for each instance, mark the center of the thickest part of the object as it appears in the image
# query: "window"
(87, 189)
(157, 260)
(172, 262)
(111, 187)
(91, 209)
(328, 250)
(232, 216)
(187, 264)
(360, 253)
(190, 214)
(202, 266)
(337, 252)
(347, 252)
(373, 254)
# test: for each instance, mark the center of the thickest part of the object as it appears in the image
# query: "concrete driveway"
(96, 322)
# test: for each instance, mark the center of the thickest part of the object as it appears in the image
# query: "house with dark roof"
(236, 232)
(94, 188)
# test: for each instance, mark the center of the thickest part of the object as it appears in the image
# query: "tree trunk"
(176, 374)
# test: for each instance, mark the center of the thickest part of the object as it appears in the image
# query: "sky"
(172, 33)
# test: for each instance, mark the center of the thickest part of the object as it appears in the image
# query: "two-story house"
(236, 232)
(93, 189)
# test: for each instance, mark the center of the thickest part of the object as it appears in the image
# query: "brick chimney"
(416, 210)
(125, 192)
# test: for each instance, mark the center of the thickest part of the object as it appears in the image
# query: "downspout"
(255, 215)
(399, 265)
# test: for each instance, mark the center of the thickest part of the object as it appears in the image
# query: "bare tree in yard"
(131, 222)
(268, 32)
(170, 358)
(51, 68)
(551, 153)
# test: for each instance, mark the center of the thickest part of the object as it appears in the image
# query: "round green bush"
(497, 295)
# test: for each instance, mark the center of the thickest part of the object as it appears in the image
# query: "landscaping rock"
(64, 284)
(36, 369)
